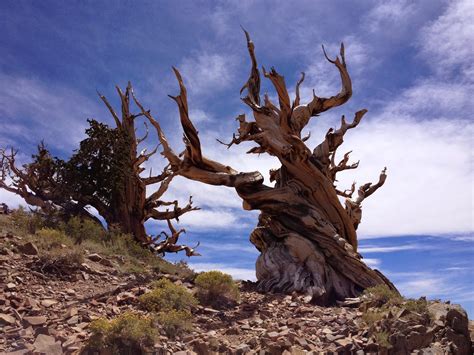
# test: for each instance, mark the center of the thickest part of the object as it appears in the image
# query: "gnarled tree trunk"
(105, 173)
(306, 237)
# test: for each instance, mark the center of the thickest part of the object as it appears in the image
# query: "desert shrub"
(371, 317)
(165, 295)
(215, 285)
(27, 222)
(130, 333)
(118, 243)
(80, 229)
(381, 294)
(61, 263)
(175, 322)
(418, 306)
(182, 269)
(48, 239)
(382, 338)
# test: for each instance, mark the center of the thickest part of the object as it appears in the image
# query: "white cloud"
(212, 219)
(469, 237)
(236, 272)
(32, 110)
(447, 42)
(198, 115)
(428, 189)
(233, 247)
(389, 249)
(390, 16)
(425, 283)
(373, 263)
(433, 285)
(433, 98)
(12, 200)
(205, 73)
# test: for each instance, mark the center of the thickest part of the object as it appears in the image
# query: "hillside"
(58, 294)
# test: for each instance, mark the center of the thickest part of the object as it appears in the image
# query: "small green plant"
(381, 295)
(62, 263)
(371, 317)
(165, 295)
(175, 322)
(215, 285)
(130, 333)
(381, 338)
(27, 222)
(48, 239)
(80, 229)
(417, 306)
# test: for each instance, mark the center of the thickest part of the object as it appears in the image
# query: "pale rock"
(35, 320)
(6, 319)
(48, 303)
(47, 344)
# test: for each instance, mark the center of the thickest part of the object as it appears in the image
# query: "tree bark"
(306, 238)
(121, 196)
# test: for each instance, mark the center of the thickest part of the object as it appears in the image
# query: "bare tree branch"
(354, 207)
(111, 109)
(253, 83)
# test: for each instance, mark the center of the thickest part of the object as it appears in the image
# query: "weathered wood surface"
(306, 237)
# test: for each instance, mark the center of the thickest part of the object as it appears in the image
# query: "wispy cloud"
(32, 110)
(390, 16)
(390, 249)
(236, 272)
(205, 73)
(373, 263)
(446, 43)
(234, 247)
(213, 219)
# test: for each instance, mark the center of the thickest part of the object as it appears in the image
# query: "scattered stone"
(71, 312)
(28, 249)
(48, 303)
(107, 262)
(73, 320)
(35, 320)
(6, 319)
(48, 345)
(58, 321)
(273, 335)
(242, 349)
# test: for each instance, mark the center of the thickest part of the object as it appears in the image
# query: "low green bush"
(166, 295)
(129, 333)
(382, 338)
(80, 229)
(419, 306)
(381, 295)
(48, 239)
(26, 221)
(175, 322)
(371, 317)
(214, 286)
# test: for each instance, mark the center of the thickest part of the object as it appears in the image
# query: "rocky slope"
(46, 311)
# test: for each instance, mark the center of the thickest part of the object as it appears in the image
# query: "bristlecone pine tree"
(105, 173)
(307, 239)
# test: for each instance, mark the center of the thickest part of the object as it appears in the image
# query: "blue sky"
(411, 64)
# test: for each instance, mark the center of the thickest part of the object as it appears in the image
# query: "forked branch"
(354, 207)
(170, 244)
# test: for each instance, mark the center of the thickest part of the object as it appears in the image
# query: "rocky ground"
(44, 313)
